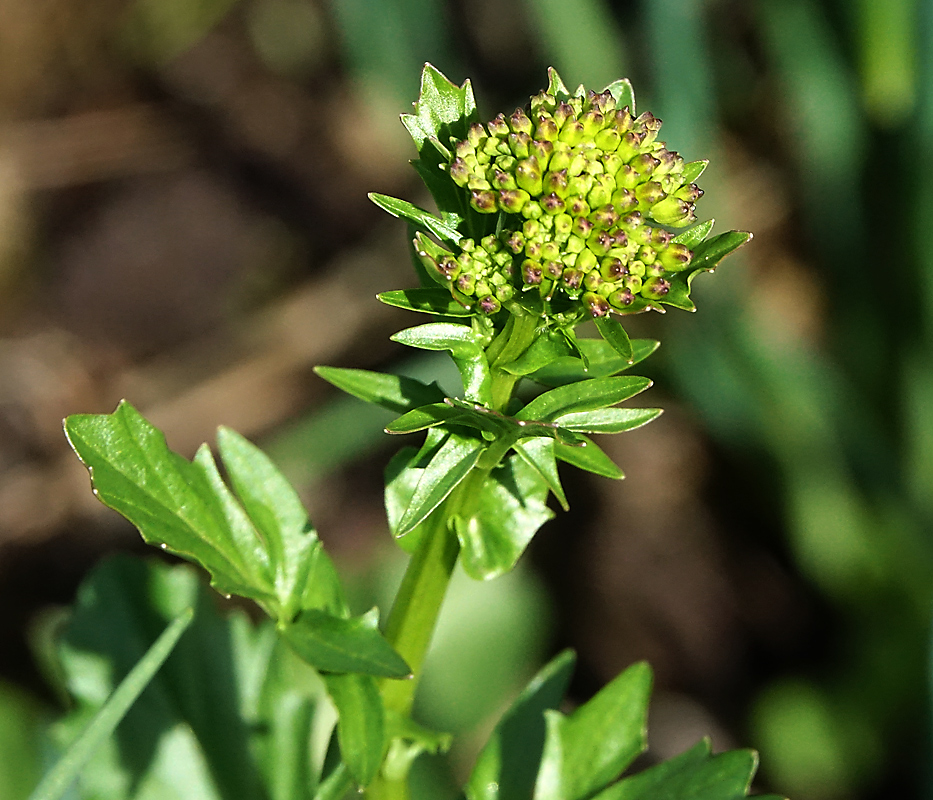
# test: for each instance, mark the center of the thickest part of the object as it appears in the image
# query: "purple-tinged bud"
(675, 257)
(572, 132)
(577, 206)
(465, 149)
(619, 238)
(552, 204)
(603, 217)
(666, 159)
(498, 127)
(572, 279)
(515, 241)
(520, 145)
(647, 255)
(649, 193)
(629, 146)
(459, 171)
(520, 123)
(655, 288)
(562, 113)
(582, 227)
(553, 269)
(466, 283)
(528, 176)
(542, 150)
(512, 201)
(556, 182)
(488, 304)
(543, 102)
(621, 299)
(673, 211)
(632, 220)
(627, 177)
(601, 193)
(661, 238)
(621, 121)
(592, 122)
(490, 243)
(447, 268)
(644, 164)
(546, 130)
(650, 124)
(613, 269)
(533, 249)
(476, 134)
(604, 102)
(689, 194)
(607, 140)
(624, 200)
(532, 273)
(596, 305)
(483, 201)
(599, 242)
(503, 180)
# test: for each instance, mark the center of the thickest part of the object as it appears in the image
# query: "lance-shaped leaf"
(539, 453)
(603, 361)
(507, 512)
(450, 464)
(612, 331)
(360, 724)
(709, 253)
(334, 644)
(589, 749)
(181, 506)
(693, 236)
(427, 301)
(544, 350)
(421, 219)
(395, 392)
(508, 763)
(589, 457)
(424, 417)
(583, 396)
(694, 774)
(608, 420)
(694, 169)
(465, 349)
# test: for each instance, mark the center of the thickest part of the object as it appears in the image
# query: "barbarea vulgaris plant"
(568, 210)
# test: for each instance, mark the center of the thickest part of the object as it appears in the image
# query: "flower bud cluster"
(582, 180)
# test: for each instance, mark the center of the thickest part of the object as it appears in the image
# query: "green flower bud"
(592, 280)
(602, 191)
(599, 242)
(621, 299)
(515, 241)
(689, 194)
(605, 216)
(503, 180)
(660, 238)
(552, 204)
(633, 282)
(563, 224)
(582, 227)
(466, 283)
(483, 201)
(636, 268)
(550, 251)
(613, 269)
(577, 206)
(528, 176)
(647, 255)
(532, 210)
(649, 193)
(553, 269)
(542, 150)
(520, 145)
(556, 182)
(673, 211)
(621, 121)
(675, 257)
(520, 123)
(459, 171)
(512, 201)
(630, 145)
(623, 201)
(546, 130)
(655, 288)
(532, 272)
(561, 159)
(572, 279)
(627, 177)
(562, 113)
(500, 128)
(655, 270)
(607, 140)
(586, 261)
(574, 244)
(592, 122)
(504, 293)
(596, 305)
(476, 135)
(489, 304)
(650, 124)
(572, 132)
(644, 164)
(465, 149)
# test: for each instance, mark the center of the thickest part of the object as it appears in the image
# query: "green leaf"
(604, 361)
(589, 749)
(450, 464)
(402, 209)
(589, 457)
(539, 453)
(612, 331)
(59, 779)
(693, 775)
(419, 419)
(544, 350)
(427, 301)
(555, 85)
(709, 253)
(694, 170)
(360, 724)
(395, 392)
(678, 295)
(442, 110)
(402, 475)
(693, 236)
(608, 420)
(334, 644)
(507, 512)
(583, 396)
(623, 93)
(181, 506)
(508, 763)
(465, 348)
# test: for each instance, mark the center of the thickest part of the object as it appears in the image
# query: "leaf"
(589, 749)
(539, 453)
(182, 506)
(693, 236)
(402, 209)
(360, 724)
(583, 396)
(442, 110)
(402, 475)
(693, 775)
(544, 350)
(555, 85)
(450, 464)
(395, 392)
(589, 457)
(623, 93)
(419, 419)
(608, 420)
(465, 348)
(333, 644)
(694, 169)
(604, 361)
(507, 765)
(613, 332)
(59, 779)
(427, 301)
(508, 511)
(709, 253)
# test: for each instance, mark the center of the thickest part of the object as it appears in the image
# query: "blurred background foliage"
(183, 222)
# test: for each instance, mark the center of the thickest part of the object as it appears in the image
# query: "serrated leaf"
(450, 464)
(612, 331)
(608, 420)
(427, 301)
(181, 506)
(539, 453)
(589, 457)
(693, 236)
(465, 349)
(603, 361)
(709, 253)
(507, 765)
(624, 94)
(333, 644)
(694, 169)
(424, 220)
(583, 396)
(544, 350)
(693, 775)
(507, 512)
(360, 724)
(395, 392)
(589, 749)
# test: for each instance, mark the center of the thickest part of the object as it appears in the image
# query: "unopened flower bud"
(489, 304)
(542, 150)
(476, 134)
(661, 238)
(604, 217)
(649, 193)
(582, 227)
(592, 122)
(546, 130)
(532, 273)
(503, 180)
(562, 113)
(466, 283)
(599, 242)
(675, 257)
(624, 201)
(689, 193)
(563, 224)
(650, 124)
(520, 123)
(577, 206)
(552, 204)
(597, 306)
(553, 269)
(647, 255)
(621, 299)
(483, 201)
(586, 261)
(512, 201)
(459, 171)
(629, 145)
(498, 127)
(655, 288)
(515, 241)
(572, 132)
(556, 182)
(520, 145)
(644, 164)
(633, 282)
(673, 211)
(528, 176)
(607, 140)
(613, 269)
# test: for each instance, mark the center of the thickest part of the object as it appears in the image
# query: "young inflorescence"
(578, 182)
